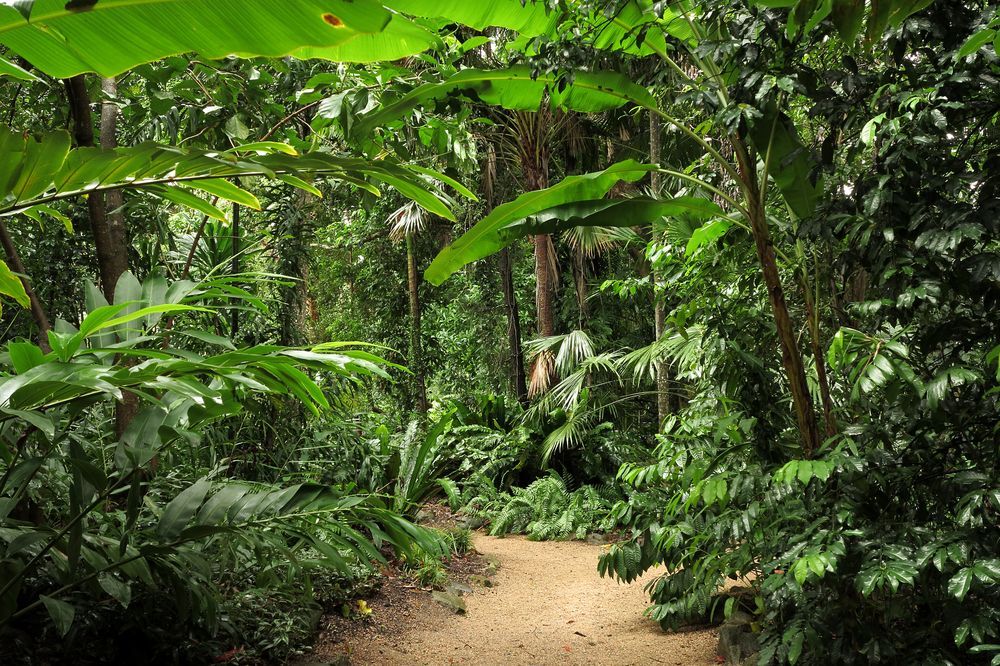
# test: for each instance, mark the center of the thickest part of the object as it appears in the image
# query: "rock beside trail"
(481, 581)
(492, 565)
(459, 589)
(470, 522)
(738, 644)
(451, 601)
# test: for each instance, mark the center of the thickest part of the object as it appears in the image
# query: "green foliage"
(544, 510)
(97, 530)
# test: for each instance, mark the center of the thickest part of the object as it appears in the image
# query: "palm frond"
(407, 220)
(594, 241)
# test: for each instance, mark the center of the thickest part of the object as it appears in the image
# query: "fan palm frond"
(542, 372)
(594, 241)
(407, 220)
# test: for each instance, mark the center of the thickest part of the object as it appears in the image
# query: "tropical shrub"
(89, 518)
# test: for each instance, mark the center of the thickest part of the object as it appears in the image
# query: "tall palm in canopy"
(530, 136)
(404, 224)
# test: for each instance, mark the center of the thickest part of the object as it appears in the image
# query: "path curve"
(549, 606)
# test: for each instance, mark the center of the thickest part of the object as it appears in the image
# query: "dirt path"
(548, 606)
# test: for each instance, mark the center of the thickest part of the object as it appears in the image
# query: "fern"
(545, 510)
(451, 491)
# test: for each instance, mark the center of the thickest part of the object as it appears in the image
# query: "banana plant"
(63, 39)
(36, 173)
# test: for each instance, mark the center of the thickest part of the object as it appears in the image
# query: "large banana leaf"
(789, 162)
(633, 212)
(7, 68)
(109, 37)
(527, 17)
(518, 88)
(488, 235)
(40, 171)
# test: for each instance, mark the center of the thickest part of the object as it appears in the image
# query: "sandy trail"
(549, 606)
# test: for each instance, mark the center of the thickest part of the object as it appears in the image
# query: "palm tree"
(530, 136)
(405, 223)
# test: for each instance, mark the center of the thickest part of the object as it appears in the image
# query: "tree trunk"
(518, 380)
(663, 401)
(791, 356)
(110, 238)
(416, 361)
(580, 278)
(829, 420)
(17, 266)
(108, 228)
(234, 268)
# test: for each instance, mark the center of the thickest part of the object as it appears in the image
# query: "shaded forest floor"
(547, 605)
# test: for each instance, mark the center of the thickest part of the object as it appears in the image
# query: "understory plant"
(94, 520)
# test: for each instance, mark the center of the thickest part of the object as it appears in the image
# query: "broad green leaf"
(45, 424)
(228, 191)
(301, 184)
(37, 212)
(62, 613)
(519, 88)
(900, 10)
(24, 356)
(707, 234)
(11, 285)
(527, 17)
(870, 129)
(960, 583)
(209, 338)
(263, 148)
(43, 158)
(637, 211)
(800, 571)
(44, 169)
(486, 236)
(848, 16)
(166, 308)
(119, 590)
(7, 68)
(789, 162)
(398, 39)
(795, 647)
(113, 36)
(183, 197)
(976, 42)
(618, 27)
(179, 512)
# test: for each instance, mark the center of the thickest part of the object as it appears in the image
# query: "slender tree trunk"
(518, 379)
(234, 268)
(791, 356)
(115, 216)
(106, 219)
(663, 401)
(110, 239)
(16, 265)
(580, 278)
(416, 360)
(829, 420)
(543, 285)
